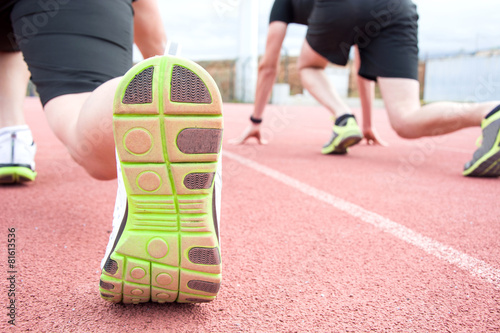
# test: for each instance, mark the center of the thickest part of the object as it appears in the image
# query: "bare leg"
(366, 95)
(149, 35)
(314, 79)
(83, 122)
(15, 76)
(410, 120)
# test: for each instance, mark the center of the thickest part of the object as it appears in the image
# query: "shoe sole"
(341, 147)
(16, 174)
(488, 165)
(168, 133)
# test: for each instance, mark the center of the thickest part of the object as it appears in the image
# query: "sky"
(209, 29)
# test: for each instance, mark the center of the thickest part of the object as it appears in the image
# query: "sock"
(342, 120)
(495, 110)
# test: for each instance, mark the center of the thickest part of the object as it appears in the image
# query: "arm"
(149, 33)
(268, 69)
(269, 66)
(366, 95)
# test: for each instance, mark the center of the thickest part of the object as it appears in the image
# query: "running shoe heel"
(344, 136)
(17, 155)
(486, 159)
(168, 133)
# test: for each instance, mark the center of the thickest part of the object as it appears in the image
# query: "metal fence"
(463, 78)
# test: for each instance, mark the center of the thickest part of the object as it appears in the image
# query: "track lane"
(291, 262)
(412, 181)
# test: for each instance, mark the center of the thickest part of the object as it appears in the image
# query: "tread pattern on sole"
(205, 286)
(198, 300)
(200, 140)
(187, 87)
(106, 285)
(168, 250)
(204, 256)
(198, 181)
(111, 266)
(139, 91)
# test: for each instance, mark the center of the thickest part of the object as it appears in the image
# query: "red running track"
(387, 239)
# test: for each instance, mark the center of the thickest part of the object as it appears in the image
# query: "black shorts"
(386, 32)
(70, 46)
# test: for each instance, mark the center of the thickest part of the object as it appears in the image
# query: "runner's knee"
(405, 126)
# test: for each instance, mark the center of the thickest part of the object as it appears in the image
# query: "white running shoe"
(165, 246)
(17, 155)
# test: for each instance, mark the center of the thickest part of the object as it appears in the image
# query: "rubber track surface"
(292, 261)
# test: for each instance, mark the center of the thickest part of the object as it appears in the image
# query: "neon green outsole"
(488, 165)
(168, 134)
(486, 159)
(341, 145)
(343, 138)
(16, 174)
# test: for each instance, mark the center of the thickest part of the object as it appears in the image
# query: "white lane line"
(470, 264)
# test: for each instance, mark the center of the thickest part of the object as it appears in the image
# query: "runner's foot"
(168, 131)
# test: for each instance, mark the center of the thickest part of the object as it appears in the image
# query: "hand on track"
(252, 131)
(372, 138)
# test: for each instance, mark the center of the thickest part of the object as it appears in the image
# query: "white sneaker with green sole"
(168, 133)
(17, 155)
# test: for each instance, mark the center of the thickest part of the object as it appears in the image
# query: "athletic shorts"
(386, 32)
(70, 46)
